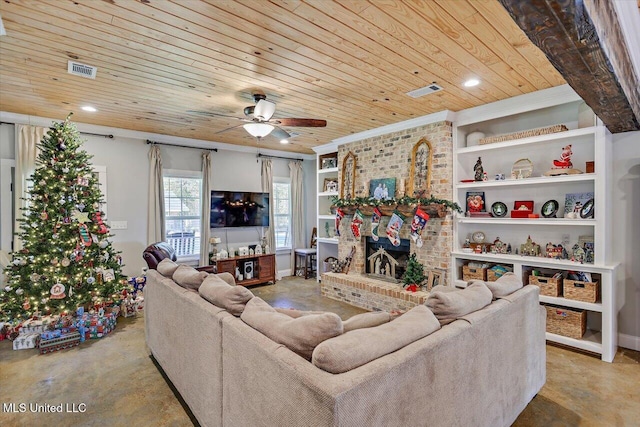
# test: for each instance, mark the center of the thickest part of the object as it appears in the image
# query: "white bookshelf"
(327, 244)
(590, 142)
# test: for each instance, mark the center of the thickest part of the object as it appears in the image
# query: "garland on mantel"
(409, 203)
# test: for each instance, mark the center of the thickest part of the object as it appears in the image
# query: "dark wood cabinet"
(260, 268)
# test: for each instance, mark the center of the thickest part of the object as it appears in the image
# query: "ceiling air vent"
(424, 90)
(81, 70)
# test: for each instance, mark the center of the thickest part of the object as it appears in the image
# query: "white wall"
(127, 164)
(626, 234)
(7, 163)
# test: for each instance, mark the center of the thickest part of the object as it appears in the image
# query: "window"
(182, 203)
(282, 212)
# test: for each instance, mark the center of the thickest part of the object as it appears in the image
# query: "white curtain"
(297, 208)
(267, 187)
(205, 230)
(155, 215)
(27, 139)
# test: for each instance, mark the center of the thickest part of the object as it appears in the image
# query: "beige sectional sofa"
(480, 370)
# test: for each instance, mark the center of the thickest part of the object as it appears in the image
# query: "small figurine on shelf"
(479, 171)
(565, 158)
(563, 165)
(578, 254)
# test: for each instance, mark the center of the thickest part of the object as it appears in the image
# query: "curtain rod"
(104, 135)
(278, 157)
(181, 146)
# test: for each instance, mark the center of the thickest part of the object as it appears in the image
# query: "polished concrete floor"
(121, 386)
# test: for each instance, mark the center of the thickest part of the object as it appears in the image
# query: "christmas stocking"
(339, 216)
(393, 229)
(356, 223)
(417, 225)
(375, 223)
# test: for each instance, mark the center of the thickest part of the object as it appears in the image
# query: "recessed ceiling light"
(284, 141)
(471, 83)
(89, 108)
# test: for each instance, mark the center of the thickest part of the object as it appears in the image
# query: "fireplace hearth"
(384, 261)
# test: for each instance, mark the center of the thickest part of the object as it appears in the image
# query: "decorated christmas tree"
(414, 274)
(67, 260)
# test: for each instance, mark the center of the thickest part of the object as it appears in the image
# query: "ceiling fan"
(259, 121)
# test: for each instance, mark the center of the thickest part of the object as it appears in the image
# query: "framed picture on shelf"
(475, 202)
(328, 161)
(574, 202)
(382, 189)
(330, 185)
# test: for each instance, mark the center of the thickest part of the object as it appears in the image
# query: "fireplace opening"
(385, 261)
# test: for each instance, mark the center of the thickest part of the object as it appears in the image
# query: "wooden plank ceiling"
(349, 62)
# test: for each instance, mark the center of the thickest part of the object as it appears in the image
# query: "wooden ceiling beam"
(564, 31)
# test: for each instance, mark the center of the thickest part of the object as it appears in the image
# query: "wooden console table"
(261, 268)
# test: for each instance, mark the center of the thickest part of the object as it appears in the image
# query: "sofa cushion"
(366, 320)
(505, 285)
(188, 277)
(295, 313)
(360, 346)
(301, 335)
(221, 294)
(449, 306)
(227, 277)
(166, 267)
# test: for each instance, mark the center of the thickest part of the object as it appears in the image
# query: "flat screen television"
(239, 209)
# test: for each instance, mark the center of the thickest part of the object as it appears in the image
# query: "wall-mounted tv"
(239, 209)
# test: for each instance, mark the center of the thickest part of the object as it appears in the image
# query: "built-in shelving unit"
(590, 141)
(327, 239)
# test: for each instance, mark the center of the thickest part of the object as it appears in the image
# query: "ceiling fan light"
(264, 110)
(258, 130)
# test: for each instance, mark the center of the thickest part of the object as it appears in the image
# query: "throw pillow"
(366, 320)
(506, 284)
(188, 277)
(361, 346)
(300, 335)
(166, 267)
(220, 293)
(449, 306)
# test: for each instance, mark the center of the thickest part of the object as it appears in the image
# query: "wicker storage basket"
(581, 291)
(548, 285)
(565, 321)
(522, 134)
(491, 276)
(471, 273)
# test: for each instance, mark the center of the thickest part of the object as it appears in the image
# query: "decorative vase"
(474, 138)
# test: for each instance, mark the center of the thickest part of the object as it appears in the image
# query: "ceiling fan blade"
(224, 130)
(280, 134)
(310, 123)
(210, 114)
(264, 110)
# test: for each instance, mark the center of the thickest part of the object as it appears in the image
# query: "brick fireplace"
(389, 156)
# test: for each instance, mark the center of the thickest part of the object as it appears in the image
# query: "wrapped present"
(49, 335)
(38, 325)
(129, 307)
(25, 341)
(4, 330)
(58, 342)
(96, 325)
